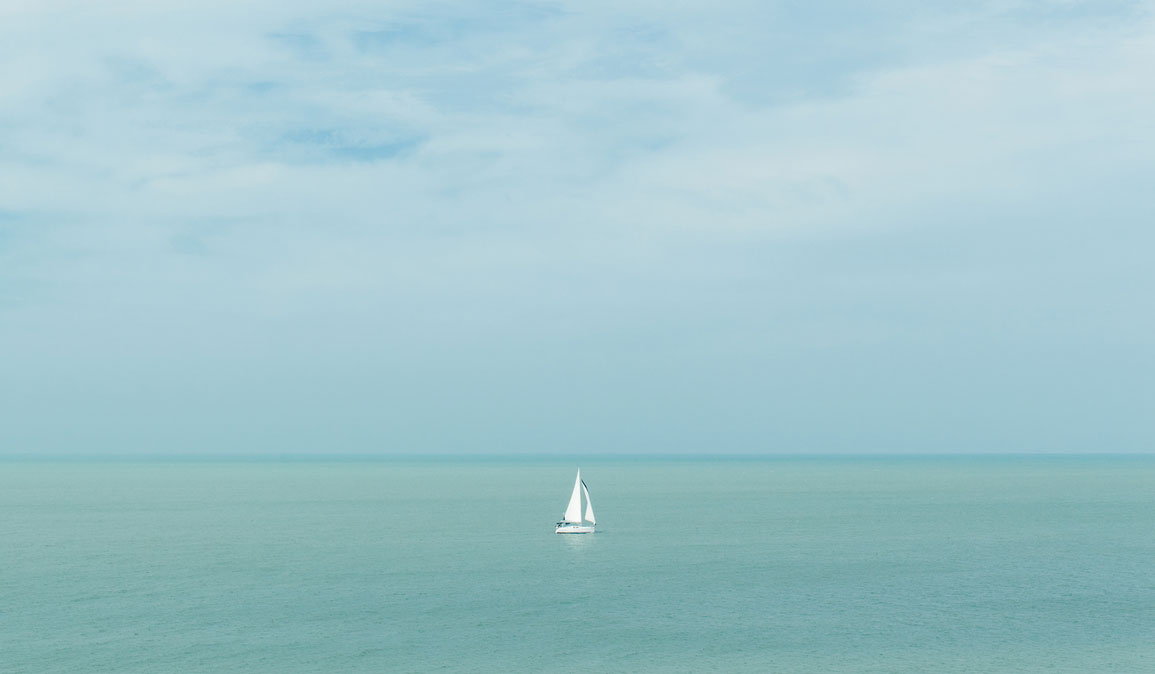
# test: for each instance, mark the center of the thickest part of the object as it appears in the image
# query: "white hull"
(574, 529)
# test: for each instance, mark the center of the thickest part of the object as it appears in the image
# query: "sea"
(946, 564)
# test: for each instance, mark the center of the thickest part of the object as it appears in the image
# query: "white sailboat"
(572, 522)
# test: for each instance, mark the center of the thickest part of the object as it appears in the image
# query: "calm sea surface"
(783, 565)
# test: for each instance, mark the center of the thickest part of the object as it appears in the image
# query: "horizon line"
(353, 457)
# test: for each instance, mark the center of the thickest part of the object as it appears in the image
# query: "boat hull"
(573, 529)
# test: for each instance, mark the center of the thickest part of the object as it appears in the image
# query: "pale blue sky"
(723, 227)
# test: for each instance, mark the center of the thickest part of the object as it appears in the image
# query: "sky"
(730, 227)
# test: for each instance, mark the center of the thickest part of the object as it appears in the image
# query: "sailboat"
(572, 522)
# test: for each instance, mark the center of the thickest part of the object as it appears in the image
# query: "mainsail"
(573, 512)
(589, 503)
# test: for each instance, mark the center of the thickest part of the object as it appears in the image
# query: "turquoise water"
(782, 565)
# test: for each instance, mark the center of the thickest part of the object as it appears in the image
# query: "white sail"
(589, 505)
(573, 512)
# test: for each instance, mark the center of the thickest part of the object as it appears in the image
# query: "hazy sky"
(717, 227)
